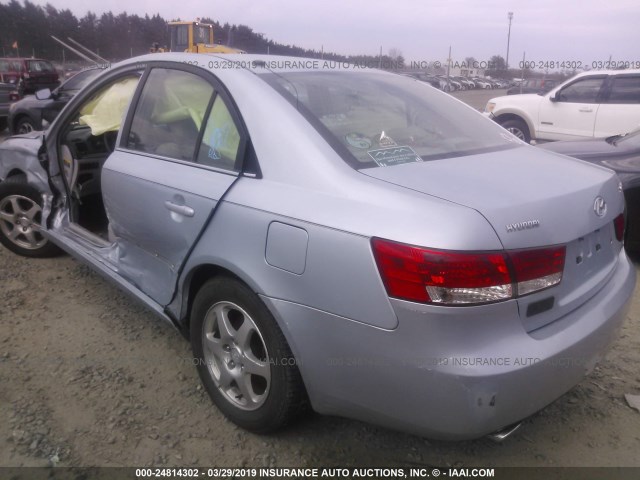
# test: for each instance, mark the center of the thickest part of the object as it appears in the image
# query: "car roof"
(631, 71)
(25, 58)
(255, 63)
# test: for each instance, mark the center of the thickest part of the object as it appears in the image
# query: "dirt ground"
(89, 378)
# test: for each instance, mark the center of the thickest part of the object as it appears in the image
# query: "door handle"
(586, 110)
(181, 209)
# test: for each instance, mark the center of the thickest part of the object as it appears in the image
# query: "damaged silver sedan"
(344, 239)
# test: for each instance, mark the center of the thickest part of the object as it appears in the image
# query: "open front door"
(179, 153)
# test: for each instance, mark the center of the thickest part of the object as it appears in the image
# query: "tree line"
(26, 29)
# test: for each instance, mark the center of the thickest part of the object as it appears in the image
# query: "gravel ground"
(89, 378)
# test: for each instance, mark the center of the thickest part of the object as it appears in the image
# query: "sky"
(422, 30)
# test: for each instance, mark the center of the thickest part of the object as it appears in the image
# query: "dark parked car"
(620, 153)
(29, 74)
(431, 80)
(8, 94)
(533, 85)
(29, 113)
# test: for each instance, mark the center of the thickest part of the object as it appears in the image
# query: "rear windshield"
(10, 66)
(378, 120)
(40, 66)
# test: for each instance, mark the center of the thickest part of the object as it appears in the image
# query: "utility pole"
(510, 16)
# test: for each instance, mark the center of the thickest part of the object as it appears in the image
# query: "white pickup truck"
(591, 104)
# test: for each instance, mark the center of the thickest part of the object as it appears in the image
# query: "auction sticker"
(387, 157)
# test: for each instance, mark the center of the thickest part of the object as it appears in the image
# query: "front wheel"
(518, 128)
(20, 218)
(25, 125)
(243, 358)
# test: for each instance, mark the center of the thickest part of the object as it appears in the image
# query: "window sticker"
(388, 157)
(219, 138)
(358, 140)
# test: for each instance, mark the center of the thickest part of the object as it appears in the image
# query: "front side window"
(625, 89)
(104, 112)
(585, 90)
(169, 114)
(179, 38)
(375, 119)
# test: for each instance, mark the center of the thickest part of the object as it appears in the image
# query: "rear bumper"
(451, 373)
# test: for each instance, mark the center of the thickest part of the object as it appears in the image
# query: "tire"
(517, 128)
(25, 125)
(20, 216)
(233, 332)
(3, 124)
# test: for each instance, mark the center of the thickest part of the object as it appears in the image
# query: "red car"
(28, 74)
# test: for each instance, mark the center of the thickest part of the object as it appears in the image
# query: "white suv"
(591, 104)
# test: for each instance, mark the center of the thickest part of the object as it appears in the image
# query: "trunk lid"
(532, 198)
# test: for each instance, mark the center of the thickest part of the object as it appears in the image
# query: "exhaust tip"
(501, 435)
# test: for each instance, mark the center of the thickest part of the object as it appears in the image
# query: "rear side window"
(625, 89)
(170, 114)
(585, 90)
(221, 138)
(10, 66)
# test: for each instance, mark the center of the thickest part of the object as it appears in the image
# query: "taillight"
(459, 278)
(537, 269)
(618, 225)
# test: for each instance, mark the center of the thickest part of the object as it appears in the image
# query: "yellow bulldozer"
(193, 37)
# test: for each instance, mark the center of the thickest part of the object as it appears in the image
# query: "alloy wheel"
(236, 355)
(20, 221)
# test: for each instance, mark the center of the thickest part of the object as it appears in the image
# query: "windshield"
(630, 140)
(201, 34)
(373, 119)
(10, 66)
(80, 79)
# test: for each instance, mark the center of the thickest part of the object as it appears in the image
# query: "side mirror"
(44, 94)
(555, 97)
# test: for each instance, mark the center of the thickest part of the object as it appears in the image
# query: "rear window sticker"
(387, 157)
(358, 140)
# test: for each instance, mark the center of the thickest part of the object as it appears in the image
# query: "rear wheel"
(20, 217)
(3, 124)
(243, 358)
(518, 128)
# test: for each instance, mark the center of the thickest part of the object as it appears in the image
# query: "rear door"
(179, 152)
(619, 112)
(573, 113)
